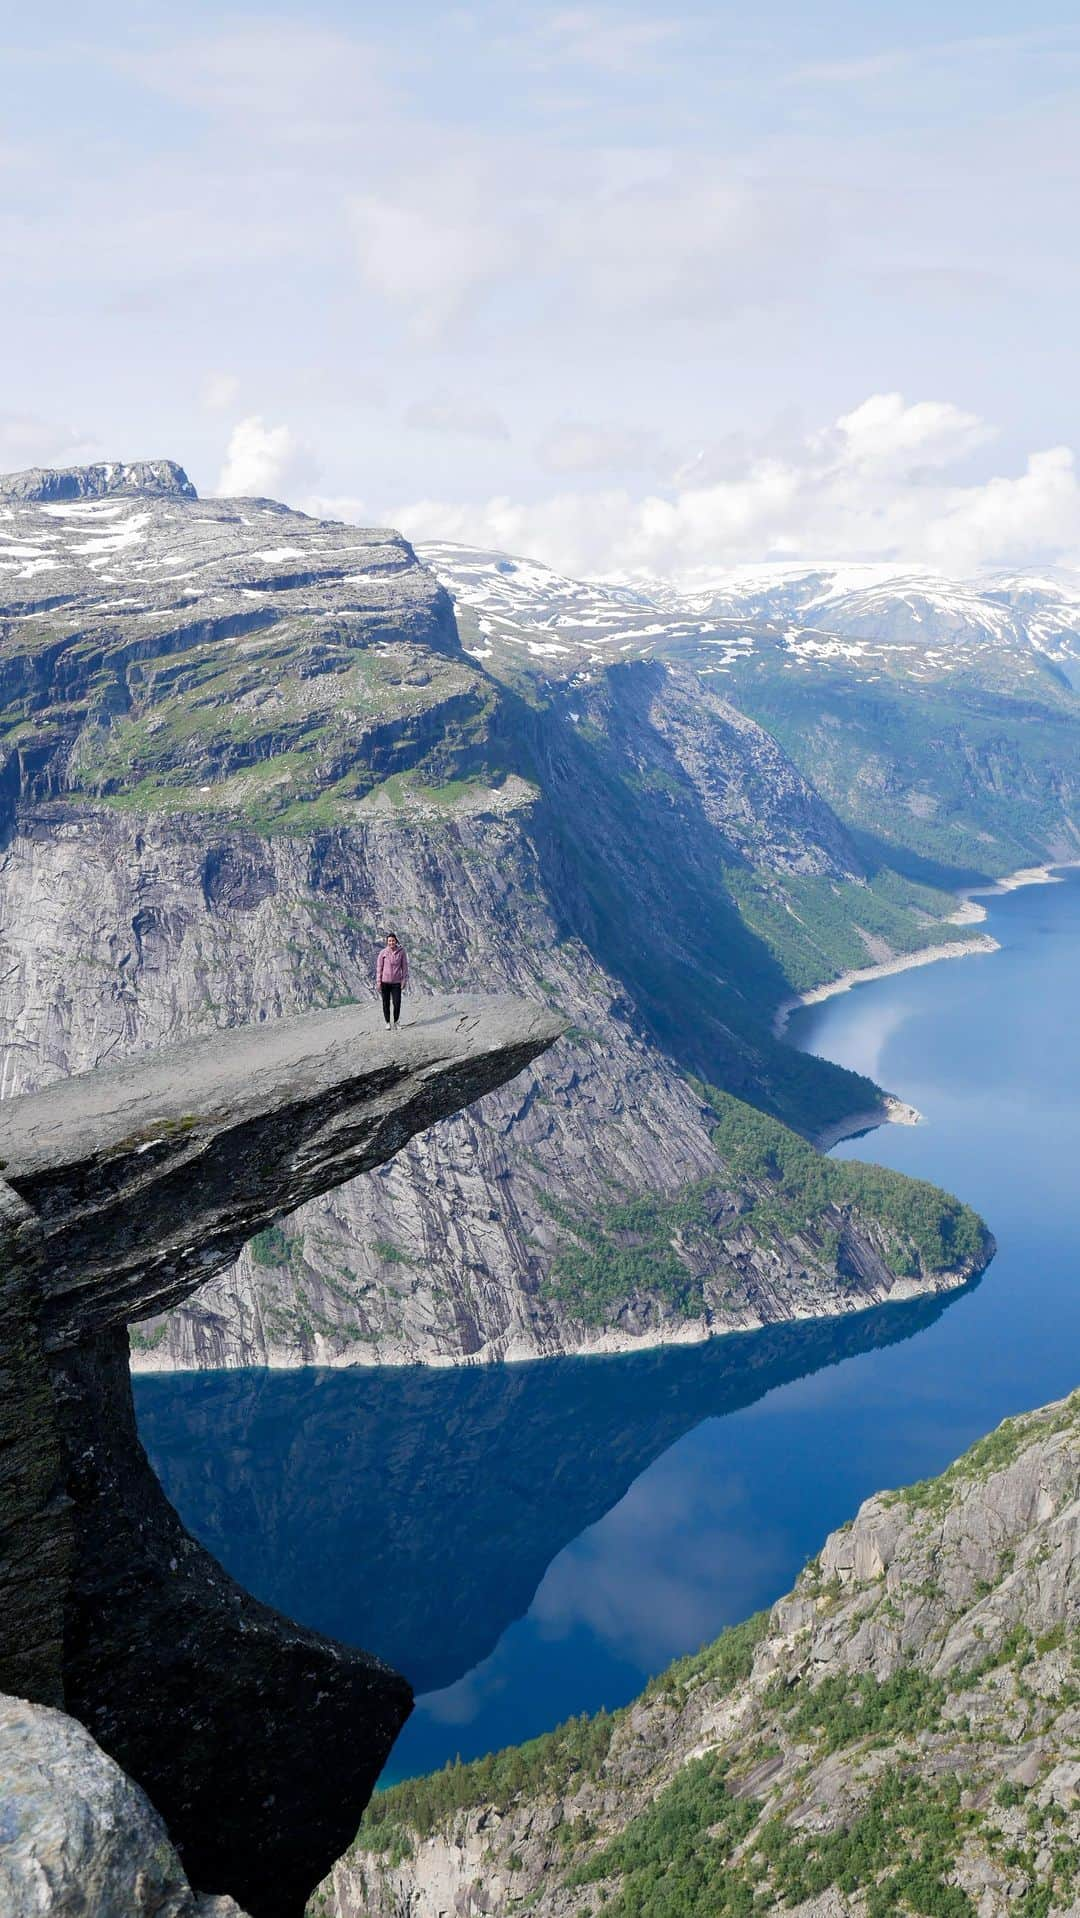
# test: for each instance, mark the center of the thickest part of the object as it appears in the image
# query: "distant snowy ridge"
(512, 604)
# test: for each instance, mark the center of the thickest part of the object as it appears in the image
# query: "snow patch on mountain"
(870, 614)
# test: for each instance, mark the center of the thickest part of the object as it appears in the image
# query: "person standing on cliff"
(391, 975)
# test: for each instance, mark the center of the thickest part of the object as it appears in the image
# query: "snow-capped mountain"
(508, 606)
(874, 616)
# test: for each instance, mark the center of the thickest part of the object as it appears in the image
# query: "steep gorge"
(236, 740)
(257, 1740)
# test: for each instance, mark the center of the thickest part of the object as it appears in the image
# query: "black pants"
(391, 996)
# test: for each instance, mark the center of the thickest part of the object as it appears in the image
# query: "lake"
(531, 1541)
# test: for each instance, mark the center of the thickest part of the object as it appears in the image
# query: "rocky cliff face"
(52, 485)
(259, 1741)
(237, 741)
(898, 1734)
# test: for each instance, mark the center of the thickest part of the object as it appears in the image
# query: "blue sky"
(620, 285)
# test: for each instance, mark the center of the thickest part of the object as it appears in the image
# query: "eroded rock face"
(259, 1742)
(129, 933)
(76, 1835)
(238, 742)
(36, 1534)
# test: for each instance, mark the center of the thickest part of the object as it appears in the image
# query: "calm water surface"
(535, 1540)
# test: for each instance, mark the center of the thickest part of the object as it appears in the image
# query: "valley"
(237, 740)
(597, 1518)
(897, 1733)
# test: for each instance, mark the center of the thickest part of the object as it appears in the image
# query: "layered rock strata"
(123, 1190)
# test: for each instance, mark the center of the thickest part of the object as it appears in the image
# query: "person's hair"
(391, 935)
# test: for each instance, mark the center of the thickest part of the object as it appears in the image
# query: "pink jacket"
(392, 967)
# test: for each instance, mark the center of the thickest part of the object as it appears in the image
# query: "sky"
(623, 287)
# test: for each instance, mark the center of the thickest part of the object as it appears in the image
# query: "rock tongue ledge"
(258, 1742)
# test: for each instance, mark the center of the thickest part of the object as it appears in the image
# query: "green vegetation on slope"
(909, 1793)
(732, 930)
(953, 780)
(698, 1850)
(551, 1764)
(705, 1847)
(990, 1454)
(930, 1230)
(636, 1249)
(817, 927)
(671, 1249)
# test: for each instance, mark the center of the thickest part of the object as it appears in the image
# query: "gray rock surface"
(916, 1690)
(43, 484)
(124, 932)
(234, 741)
(36, 1537)
(77, 1838)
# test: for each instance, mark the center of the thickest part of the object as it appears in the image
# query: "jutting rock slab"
(123, 1190)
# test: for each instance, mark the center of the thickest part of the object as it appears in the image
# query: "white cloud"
(290, 76)
(432, 245)
(457, 413)
(873, 486)
(1035, 516)
(853, 72)
(578, 447)
(27, 440)
(886, 435)
(597, 37)
(261, 461)
(219, 391)
(582, 242)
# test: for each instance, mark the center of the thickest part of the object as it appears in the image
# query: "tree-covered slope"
(898, 1735)
(953, 780)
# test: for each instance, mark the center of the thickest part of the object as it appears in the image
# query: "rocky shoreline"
(891, 1111)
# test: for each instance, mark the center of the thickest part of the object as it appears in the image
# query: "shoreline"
(602, 1346)
(891, 1111)
(863, 975)
(894, 1111)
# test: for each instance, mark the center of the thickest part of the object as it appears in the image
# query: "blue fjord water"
(529, 1541)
